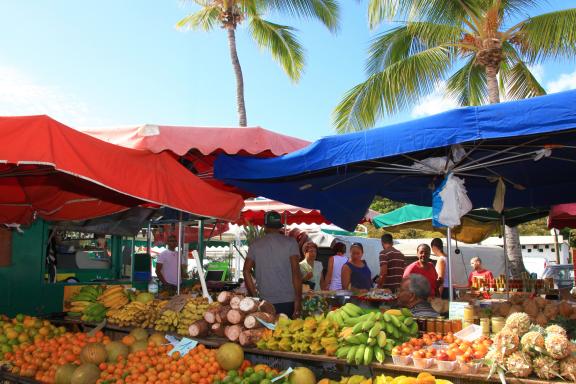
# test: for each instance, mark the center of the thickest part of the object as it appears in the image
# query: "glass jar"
(497, 324)
(456, 325)
(448, 327)
(421, 321)
(440, 325)
(430, 325)
(485, 324)
(469, 313)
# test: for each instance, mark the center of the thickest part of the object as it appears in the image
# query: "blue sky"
(120, 62)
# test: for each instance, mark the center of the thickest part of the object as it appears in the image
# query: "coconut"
(519, 364)
(302, 375)
(541, 320)
(551, 311)
(139, 334)
(230, 356)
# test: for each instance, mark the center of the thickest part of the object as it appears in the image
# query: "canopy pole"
(506, 261)
(200, 261)
(556, 246)
(149, 239)
(180, 249)
(449, 251)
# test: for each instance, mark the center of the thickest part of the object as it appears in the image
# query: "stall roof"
(254, 211)
(562, 216)
(50, 170)
(529, 144)
(199, 146)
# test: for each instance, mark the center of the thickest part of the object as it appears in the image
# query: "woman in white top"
(310, 268)
(333, 278)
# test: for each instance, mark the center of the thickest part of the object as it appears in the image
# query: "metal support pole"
(506, 261)
(556, 246)
(149, 239)
(180, 249)
(450, 266)
(201, 241)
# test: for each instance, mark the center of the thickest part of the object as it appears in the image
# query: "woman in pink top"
(333, 279)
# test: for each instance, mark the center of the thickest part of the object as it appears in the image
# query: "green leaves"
(326, 11)
(551, 35)
(468, 85)
(398, 86)
(282, 44)
(205, 19)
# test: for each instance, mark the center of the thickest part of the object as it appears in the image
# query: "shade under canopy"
(529, 144)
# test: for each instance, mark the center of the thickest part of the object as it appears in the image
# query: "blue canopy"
(529, 144)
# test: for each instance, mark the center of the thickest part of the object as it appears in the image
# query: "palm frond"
(402, 42)
(550, 35)
(205, 19)
(467, 86)
(327, 11)
(282, 44)
(517, 80)
(398, 86)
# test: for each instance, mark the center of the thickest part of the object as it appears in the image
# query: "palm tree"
(471, 45)
(280, 40)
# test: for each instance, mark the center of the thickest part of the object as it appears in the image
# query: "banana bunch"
(192, 311)
(132, 314)
(114, 297)
(371, 336)
(94, 313)
(314, 335)
(87, 295)
(168, 321)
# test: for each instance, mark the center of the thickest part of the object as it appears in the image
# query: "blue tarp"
(341, 174)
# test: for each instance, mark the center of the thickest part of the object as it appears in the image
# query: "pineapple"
(519, 321)
(495, 357)
(557, 345)
(519, 364)
(556, 329)
(546, 367)
(532, 342)
(568, 368)
(506, 341)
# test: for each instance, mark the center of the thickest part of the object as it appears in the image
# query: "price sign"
(267, 325)
(184, 346)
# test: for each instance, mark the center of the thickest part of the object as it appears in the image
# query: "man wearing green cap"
(275, 261)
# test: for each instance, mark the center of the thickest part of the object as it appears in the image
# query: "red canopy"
(254, 211)
(562, 216)
(55, 172)
(162, 233)
(199, 146)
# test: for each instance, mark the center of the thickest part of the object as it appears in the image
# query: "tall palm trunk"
(513, 248)
(242, 120)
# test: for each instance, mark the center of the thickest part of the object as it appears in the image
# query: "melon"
(93, 353)
(157, 339)
(230, 356)
(138, 346)
(85, 374)
(64, 374)
(139, 334)
(302, 375)
(115, 349)
(144, 297)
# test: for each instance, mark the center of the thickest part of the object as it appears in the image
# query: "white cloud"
(564, 82)
(434, 103)
(20, 94)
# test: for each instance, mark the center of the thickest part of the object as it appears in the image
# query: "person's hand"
(297, 310)
(308, 276)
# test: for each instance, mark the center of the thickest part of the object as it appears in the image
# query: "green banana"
(360, 338)
(390, 329)
(359, 356)
(404, 329)
(387, 318)
(357, 328)
(375, 330)
(381, 339)
(342, 352)
(368, 355)
(379, 354)
(371, 341)
(406, 312)
(351, 354)
(396, 321)
(353, 310)
(408, 321)
(414, 329)
(367, 325)
(338, 318)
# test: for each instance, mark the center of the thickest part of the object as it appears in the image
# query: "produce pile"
(24, 330)
(522, 348)
(422, 378)
(236, 319)
(540, 310)
(368, 337)
(136, 314)
(92, 302)
(313, 335)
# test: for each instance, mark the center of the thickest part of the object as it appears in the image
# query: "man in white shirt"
(167, 264)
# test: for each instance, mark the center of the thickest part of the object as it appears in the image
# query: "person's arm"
(322, 280)
(306, 276)
(441, 271)
(435, 287)
(407, 271)
(346, 273)
(465, 286)
(383, 272)
(184, 269)
(249, 264)
(160, 274)
(329, 271)
(297, 283)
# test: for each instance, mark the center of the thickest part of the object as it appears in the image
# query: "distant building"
(538, 251)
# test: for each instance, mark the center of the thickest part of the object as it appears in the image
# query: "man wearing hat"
(275, 261)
